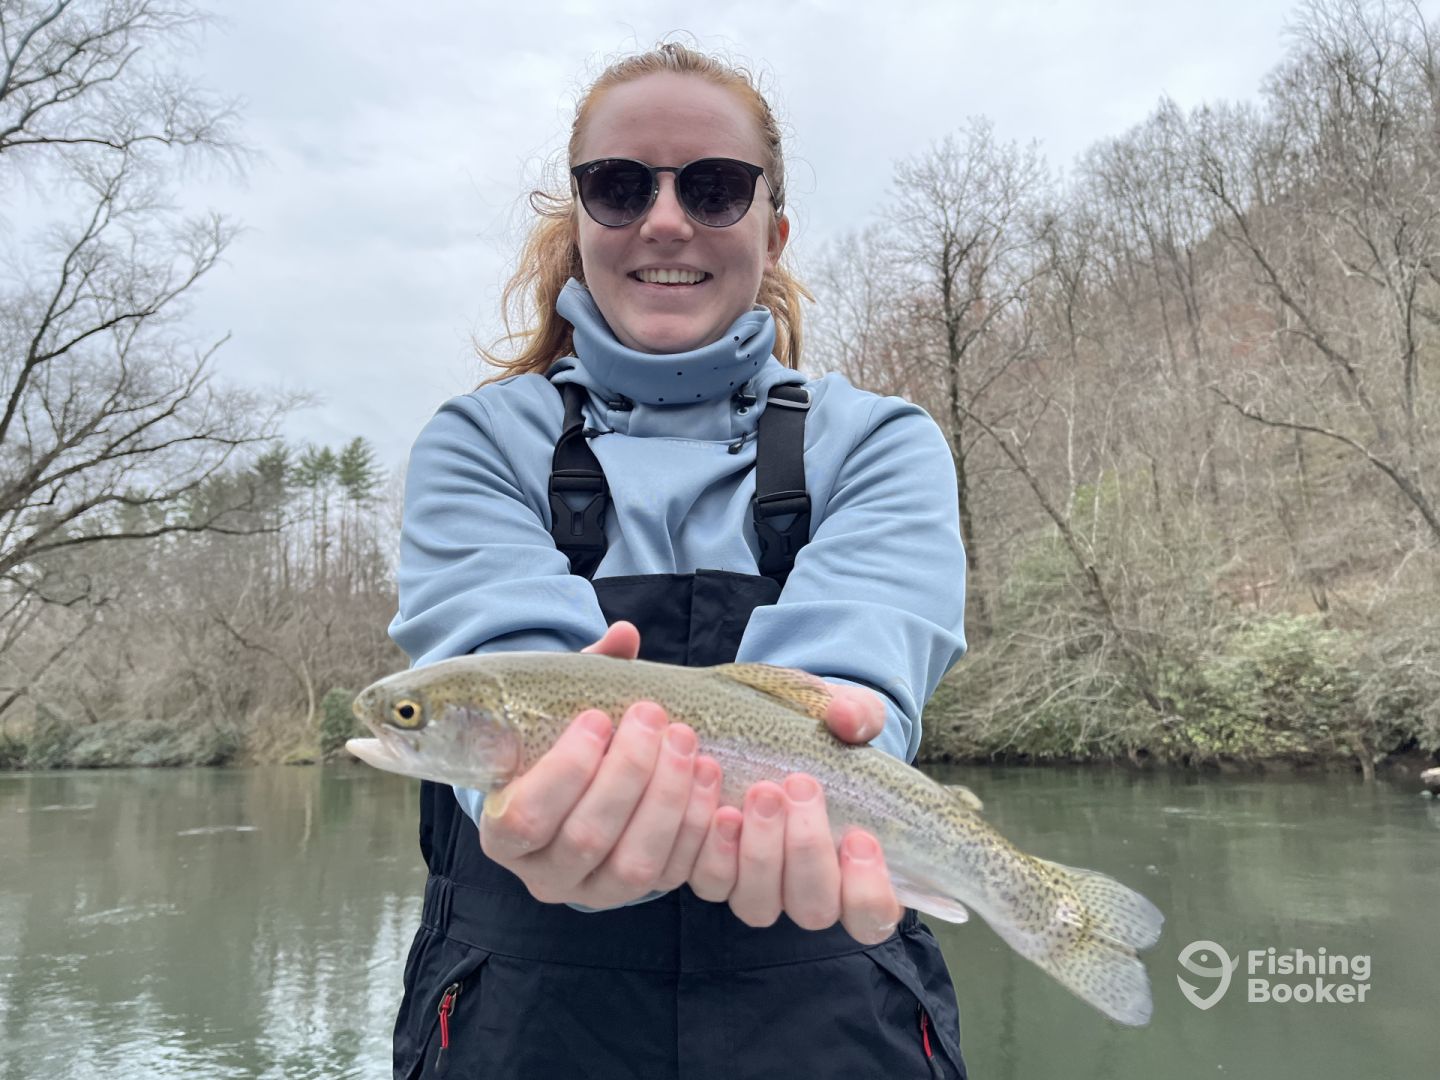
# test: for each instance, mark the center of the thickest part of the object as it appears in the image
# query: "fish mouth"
(373, 753)
(461, 745)
(390, 750)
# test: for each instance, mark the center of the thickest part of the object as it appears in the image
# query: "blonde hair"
(550, 257)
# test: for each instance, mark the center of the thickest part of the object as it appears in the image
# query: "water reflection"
(243, 923)
(216, 923)
(1249, 863)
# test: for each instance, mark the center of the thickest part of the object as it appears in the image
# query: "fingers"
(870, 911)
(810, 886)
(856, 714)
(717, 865)
(756, 898)
(621, 641)
(785, 860)
(642, 853)
(525, 815)
(590, 831)
(704, 796)
(604, 825)
(609, 814)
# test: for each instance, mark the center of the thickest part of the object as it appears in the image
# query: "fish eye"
(406, 713)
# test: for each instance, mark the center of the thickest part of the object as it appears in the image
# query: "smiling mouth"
(669, 280)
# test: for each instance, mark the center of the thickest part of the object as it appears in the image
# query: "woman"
(654, 477)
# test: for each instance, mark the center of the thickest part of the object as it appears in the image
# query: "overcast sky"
(398, 144)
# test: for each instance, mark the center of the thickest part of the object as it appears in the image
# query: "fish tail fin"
(1093, 940)
(1116, 912)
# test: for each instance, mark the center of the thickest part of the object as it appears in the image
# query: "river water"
(254, 923)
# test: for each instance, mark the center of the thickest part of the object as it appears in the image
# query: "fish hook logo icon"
(1194, 959)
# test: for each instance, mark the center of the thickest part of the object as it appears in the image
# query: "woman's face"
(671, 119)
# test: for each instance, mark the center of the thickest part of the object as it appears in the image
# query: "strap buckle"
(779, 503)
(787, 403)
(586, 530)
(778, 546)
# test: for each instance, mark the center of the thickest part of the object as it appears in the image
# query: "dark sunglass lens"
(615, 192)
(717, 192)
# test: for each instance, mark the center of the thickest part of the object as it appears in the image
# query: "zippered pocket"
(447, 1040)
(925, 1043)
(445, 1009)
(942, 1061)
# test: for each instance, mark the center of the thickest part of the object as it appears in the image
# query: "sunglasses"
(714, 191)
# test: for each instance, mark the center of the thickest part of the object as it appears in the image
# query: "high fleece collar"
(611, 369)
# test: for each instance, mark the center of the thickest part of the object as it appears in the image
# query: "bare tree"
(965, 226)
(1332, 196)
(1170, 387)
(860, 325)
(1143, 188)
(110, 417)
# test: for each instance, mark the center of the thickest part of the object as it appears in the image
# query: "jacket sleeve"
(478, 569)
(877, 597)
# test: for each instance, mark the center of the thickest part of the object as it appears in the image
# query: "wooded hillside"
(1191, 386)
(1192, 389)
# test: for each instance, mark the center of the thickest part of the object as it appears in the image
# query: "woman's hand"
(777, 854)
(607, 815)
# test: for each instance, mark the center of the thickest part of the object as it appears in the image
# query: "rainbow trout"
(479, 721)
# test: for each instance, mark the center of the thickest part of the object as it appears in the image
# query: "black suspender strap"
(579, 495)
(781, 508)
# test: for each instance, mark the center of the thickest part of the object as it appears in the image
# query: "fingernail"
(729, 829)
(874, 717)
(861, 848)
(801, 788)
(648, 715)
(767, 804)
(680, 739)
(595, 723)
(707, 773)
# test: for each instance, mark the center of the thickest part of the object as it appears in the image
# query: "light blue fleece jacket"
(876, 598)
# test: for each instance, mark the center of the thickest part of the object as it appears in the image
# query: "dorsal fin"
(807, 694)
(966, 796)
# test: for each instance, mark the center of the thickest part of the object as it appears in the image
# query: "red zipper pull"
(925, 1042)
(447, 1006)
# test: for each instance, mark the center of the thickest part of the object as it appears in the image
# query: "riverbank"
(157, 744)
(1402, 767)
(1283, 692)
(1276, 691)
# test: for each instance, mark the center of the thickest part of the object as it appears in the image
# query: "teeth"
(670, 277)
